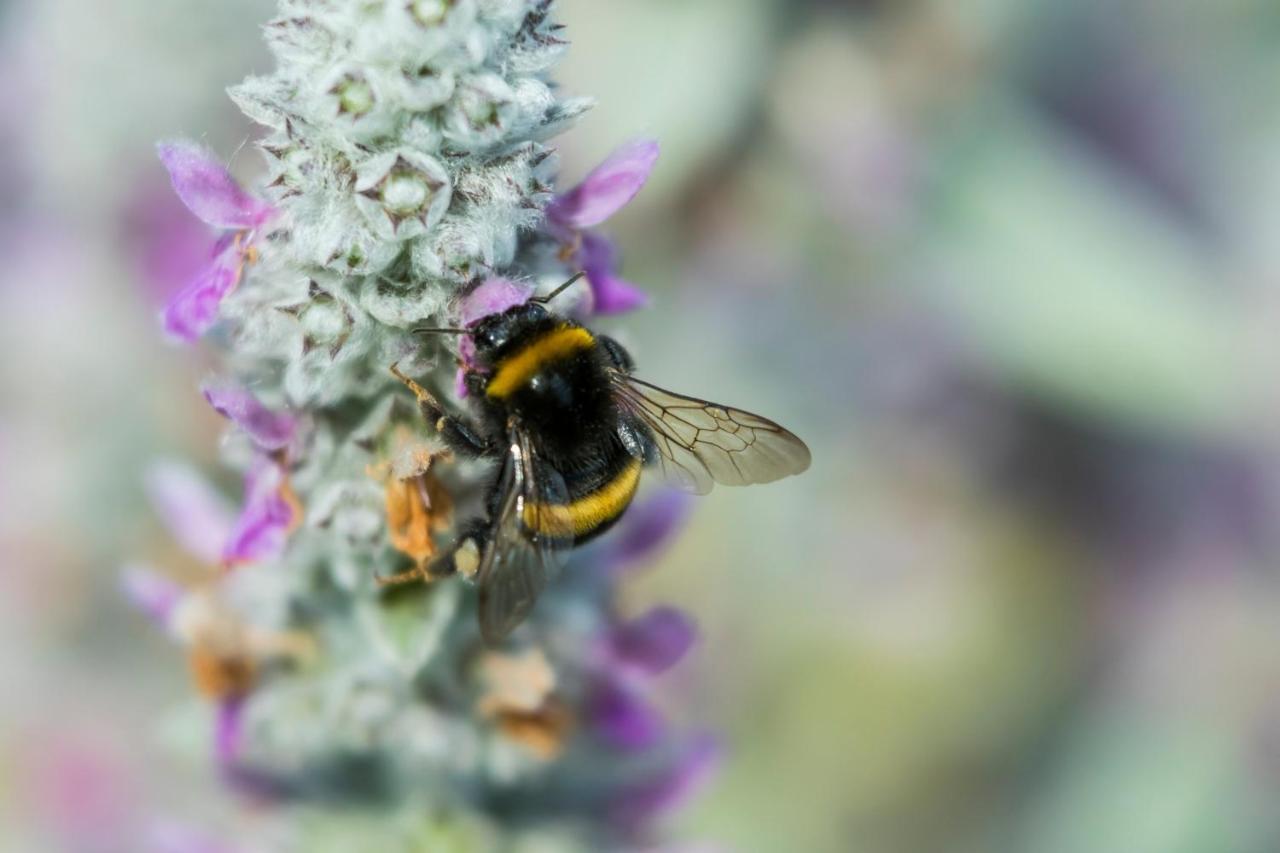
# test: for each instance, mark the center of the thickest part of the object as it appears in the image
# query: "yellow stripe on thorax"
(515, 370)
(587, 512)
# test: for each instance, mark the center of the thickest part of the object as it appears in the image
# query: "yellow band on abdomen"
(514, 371)
(588, 512)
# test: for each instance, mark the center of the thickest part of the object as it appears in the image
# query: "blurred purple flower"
(643, 531)
(652, 643)
(155, 595)
(631, 653)
(619, 715)
(260, 531)
(269, 430)
(668, 788)
(77, 785)
(173, 837)
(209, 191)
(194, 511)
(603, 192)
(228, 730)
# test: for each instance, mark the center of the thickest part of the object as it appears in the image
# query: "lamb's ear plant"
(409, 180)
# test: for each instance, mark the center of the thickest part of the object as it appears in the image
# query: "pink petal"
(207, 188)
(609, 293)
(466, 352)
(195, 513)
(195, 309)
(493, 296)
(151, 593)
(260, 531)
(269, 430)
(607, 188)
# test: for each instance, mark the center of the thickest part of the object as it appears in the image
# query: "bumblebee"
(557, 407)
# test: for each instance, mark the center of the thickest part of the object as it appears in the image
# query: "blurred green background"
(1011, 268)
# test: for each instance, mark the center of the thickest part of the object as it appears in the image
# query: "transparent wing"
(701, 443)
(527, 540)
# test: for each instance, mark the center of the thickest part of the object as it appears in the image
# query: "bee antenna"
(426, 330)
(543, 300)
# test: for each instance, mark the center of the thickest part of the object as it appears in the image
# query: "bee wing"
(527, 540)
(701, 443)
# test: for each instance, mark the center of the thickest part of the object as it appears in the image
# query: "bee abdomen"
(591, 513)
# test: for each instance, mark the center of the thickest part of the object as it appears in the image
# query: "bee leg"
(462, 556)
(620, 357)
(417, 573)
(461, 437)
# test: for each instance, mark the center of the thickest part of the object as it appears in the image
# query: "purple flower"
(171, 247)
(197, 517)
(493, 296)
(654, 642)
(610, 294)
(607, 189)
(269, 430)
(603, 192)
(209, 191)
(620, 716)
(670, 787)
(195, 308)
(269, 512)
(194, 512)
(632, 653)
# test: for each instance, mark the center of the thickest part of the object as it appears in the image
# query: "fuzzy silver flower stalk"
(409, 181)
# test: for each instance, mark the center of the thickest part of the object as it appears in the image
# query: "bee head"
(494, 332)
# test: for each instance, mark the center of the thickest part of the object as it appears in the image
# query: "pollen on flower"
(467, 559)
(417, 507)
(417, 504)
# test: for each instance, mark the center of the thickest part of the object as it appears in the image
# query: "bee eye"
(491, 337)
